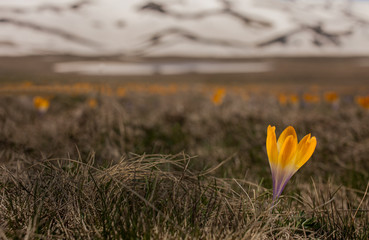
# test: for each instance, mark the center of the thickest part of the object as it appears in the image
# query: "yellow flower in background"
(41, 104)
(121, 92)
(294, 99)
(218, 96)
(331, 97)
(282, 99)
(363, 102)
(92, 103)
(309, 98)
(287, 156)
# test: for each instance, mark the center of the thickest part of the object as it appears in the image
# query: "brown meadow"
(160, 160)
(201, 169)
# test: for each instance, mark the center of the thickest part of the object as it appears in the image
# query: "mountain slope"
(191, 28)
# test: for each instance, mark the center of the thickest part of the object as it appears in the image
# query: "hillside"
(185, 28)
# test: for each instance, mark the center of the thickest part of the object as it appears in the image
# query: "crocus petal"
(282, 138)
(271, 145)
(272, 151)
(301, 148)
(306, 152)
(287, 151)
(285, 156)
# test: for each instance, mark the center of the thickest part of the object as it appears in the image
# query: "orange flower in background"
(41, 104)
(282, 99)
(121, 92)
(363, 101)
(294, 99)
(310, 98)
(92, 103)
(331, 97)
(218, 96)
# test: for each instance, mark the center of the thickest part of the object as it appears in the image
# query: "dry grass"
(71, 173)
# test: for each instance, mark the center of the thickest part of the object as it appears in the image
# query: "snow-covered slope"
(187, 28)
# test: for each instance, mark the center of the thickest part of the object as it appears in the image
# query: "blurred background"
(175, 65)
(320, 41)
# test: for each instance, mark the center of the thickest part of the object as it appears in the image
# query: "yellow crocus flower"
(282, 99)
(121, 91)
(331, 97)
(310, 98)
(41, 104)
(218, 96)
(294, 99)
(287, 156)
(363, 101)
(92, 103)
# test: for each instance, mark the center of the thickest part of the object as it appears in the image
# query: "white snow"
(118, 68)
(104, 27)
